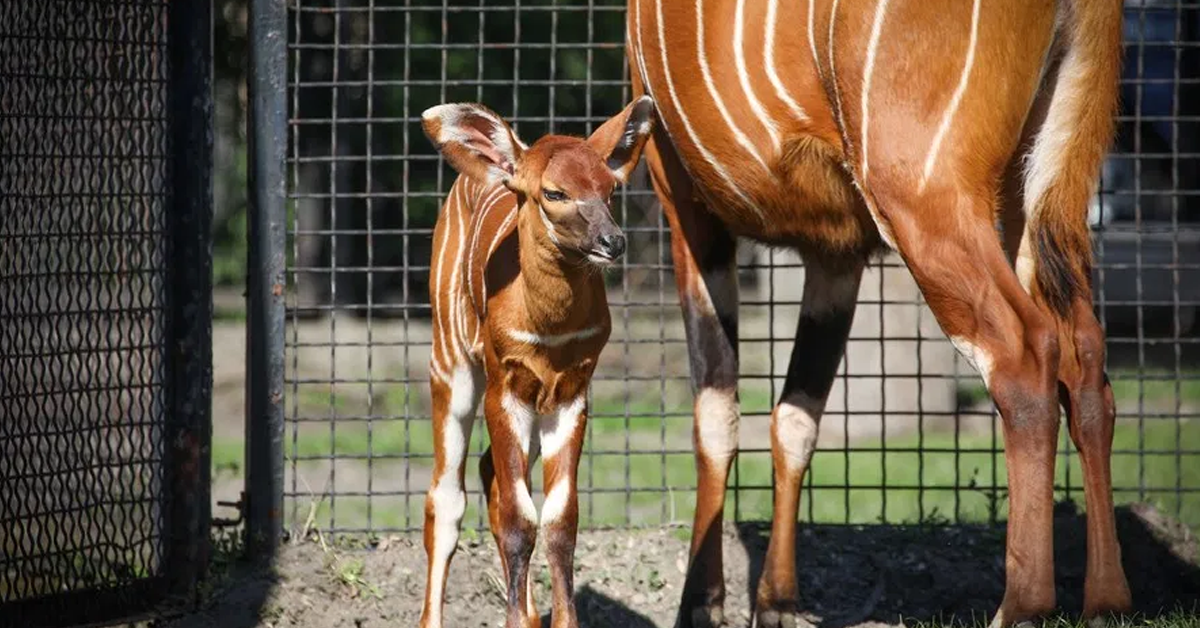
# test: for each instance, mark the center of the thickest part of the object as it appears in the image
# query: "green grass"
(1155, 387)
(229, 314)
(634, 480)
(228, 454)
(875, 486)
(1178, 618)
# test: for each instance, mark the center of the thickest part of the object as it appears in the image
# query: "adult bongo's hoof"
(773, 618)
(998, 622)
(1105, 620)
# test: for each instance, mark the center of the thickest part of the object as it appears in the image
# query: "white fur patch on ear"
(625, 155)
(474, 140)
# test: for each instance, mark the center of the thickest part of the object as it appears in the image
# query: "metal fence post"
(263, 499)
(188, 341)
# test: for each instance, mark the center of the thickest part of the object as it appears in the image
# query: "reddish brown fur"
(816, 180)
(521, 298)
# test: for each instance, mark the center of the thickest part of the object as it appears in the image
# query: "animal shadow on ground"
(955, 573)
(240, 604)
(596, 610)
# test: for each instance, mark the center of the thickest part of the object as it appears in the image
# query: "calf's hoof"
(712, 616)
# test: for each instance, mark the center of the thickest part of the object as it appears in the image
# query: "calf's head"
(568, 181)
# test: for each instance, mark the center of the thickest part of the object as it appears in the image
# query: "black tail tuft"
(1061, 270)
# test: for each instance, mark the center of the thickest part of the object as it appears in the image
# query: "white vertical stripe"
(508, 220)
(706, 73)
(526, 507)
(436, 372)
(641, 57)
(868, 70)
(557, 500)
(812, 40)
(739, 58)
(521, 418)
(772, 71)
(955, 101)
(479, 214)
(440, 346)
(496, 194)
(837, 95)
(456, 302)
(449, 499)
(687, 125)
(559, 428)
(530, 610)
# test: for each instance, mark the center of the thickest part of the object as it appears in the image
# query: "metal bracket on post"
(239, 505)
(263, 497)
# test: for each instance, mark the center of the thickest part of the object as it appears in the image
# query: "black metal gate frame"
(187, 353)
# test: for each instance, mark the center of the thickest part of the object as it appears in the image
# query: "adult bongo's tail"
(1064, 164)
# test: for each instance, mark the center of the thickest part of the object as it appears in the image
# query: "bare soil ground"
(849, 576)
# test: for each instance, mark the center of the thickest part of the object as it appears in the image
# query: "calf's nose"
(614, 244)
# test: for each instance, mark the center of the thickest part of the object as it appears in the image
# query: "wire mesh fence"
(909, 435)
(102, 336)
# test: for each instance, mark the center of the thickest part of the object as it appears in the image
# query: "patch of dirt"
(849, 576)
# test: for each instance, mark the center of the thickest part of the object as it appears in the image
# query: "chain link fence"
(910, 434)
(104, 319)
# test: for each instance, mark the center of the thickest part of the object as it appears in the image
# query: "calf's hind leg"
(455, 400)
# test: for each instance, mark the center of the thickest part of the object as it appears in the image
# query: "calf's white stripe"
(456, 301)
(439, 301)
(449, 499)
(481, 212)
(556, 502)
(558, 428)
(520, 419)
(551, 340)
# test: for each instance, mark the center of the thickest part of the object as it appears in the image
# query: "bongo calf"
(519, 319)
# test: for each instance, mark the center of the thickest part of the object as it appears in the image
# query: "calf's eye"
(554, 196)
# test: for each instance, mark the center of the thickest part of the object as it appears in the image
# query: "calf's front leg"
(511, 510)
(562, 434)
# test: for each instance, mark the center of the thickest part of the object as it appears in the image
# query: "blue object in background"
(1155, 27)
